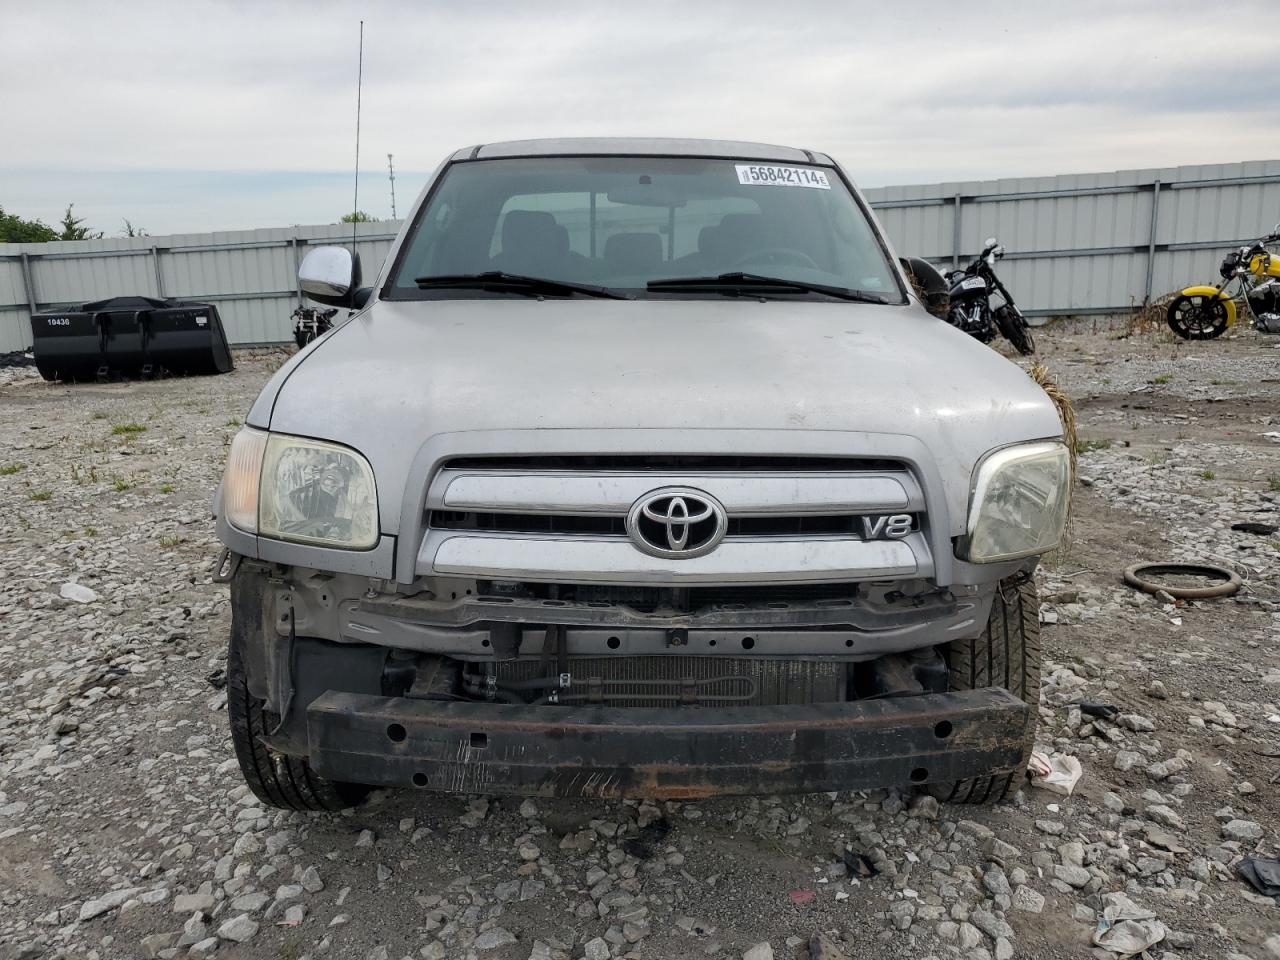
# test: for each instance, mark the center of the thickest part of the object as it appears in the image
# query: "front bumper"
(669, 754)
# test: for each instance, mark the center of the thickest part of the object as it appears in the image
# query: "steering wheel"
(778, 256)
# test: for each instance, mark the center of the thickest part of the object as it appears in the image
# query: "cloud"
(185, 111)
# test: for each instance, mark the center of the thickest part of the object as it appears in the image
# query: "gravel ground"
(126, 831)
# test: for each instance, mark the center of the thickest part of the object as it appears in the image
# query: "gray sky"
(192, 116)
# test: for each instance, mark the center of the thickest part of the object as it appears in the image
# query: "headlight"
(305, 491)
(1020, 500)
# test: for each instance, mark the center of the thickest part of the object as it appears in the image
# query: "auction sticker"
(757, 175)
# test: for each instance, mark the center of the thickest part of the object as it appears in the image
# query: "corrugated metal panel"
(1076, 243)
(250, 274)
(1050, 225)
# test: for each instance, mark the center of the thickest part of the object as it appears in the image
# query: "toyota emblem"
(676, 523)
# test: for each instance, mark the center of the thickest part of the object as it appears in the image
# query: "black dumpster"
(129, 336)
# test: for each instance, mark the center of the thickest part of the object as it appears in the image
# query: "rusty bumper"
(664, 753)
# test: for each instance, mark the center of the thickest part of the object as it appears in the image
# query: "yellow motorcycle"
(1202, 313)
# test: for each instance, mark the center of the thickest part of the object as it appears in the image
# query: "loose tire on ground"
(275, 778)
(1006, 654)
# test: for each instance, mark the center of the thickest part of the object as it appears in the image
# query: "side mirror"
(330, 275)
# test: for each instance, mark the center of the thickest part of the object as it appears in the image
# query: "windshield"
(621, 223)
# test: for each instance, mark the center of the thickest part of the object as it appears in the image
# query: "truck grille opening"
(681, 599)
(656, 681)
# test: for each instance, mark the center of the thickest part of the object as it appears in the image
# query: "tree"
(358, 216)
(72, 229)
(13, 229)
(131, 231)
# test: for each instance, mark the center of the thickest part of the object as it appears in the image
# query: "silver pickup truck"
(639, 470)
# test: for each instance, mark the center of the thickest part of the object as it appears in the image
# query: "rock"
(1245, 831)
(1072, 875)
(990, 924)
(1027, 900)
(251, 902)
(761, 951)
(925, 806)
(154, 943)
(205, 948)
(976, 829)
(77, 592)
(435, 950)
(1004, 949)
(901, 913)
(970, 936)
(238, 929)
(1001, 852)
(188, 903)
(107, 902)
(822, 947)
(295, 914)
(1126, 760)
(1244, 788)
(496, 937)
(193, 931)
(1272, 945)
(1166, 817)
(1052, 827)
(996, 882)
(598, 949)
(365, 839)
(1135, 722)
(529, 852)
(311, 881)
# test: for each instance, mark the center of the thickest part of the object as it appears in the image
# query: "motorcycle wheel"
(1015, 330)
(1197, 317)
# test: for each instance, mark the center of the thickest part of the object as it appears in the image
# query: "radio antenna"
(355, 201)
(391, 170)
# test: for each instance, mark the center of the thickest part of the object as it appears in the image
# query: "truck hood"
(402, 373)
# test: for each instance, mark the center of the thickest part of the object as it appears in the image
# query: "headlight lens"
(301, 490)
(1020, 500)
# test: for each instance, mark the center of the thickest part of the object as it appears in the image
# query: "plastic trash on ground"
(1057, 773)
(1125, 929)
(1262, 873)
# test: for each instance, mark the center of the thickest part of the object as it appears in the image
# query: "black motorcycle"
(971, 309)
(310, 323)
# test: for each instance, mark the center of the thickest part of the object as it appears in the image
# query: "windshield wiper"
(517, 283)
(733, 283)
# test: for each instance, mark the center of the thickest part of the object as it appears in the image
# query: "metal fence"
(252, 275)
(1089, 243)
(1078, 244)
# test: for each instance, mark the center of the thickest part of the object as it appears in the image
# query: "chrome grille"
(562, 519)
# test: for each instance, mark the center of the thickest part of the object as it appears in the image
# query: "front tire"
(1015, 329)
(275, 778)
(1197, 317)
(1006, 654)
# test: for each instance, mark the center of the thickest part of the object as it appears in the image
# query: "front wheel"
(1006, 654)
(275, 778)
(1014, 327)
(1197, 317)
